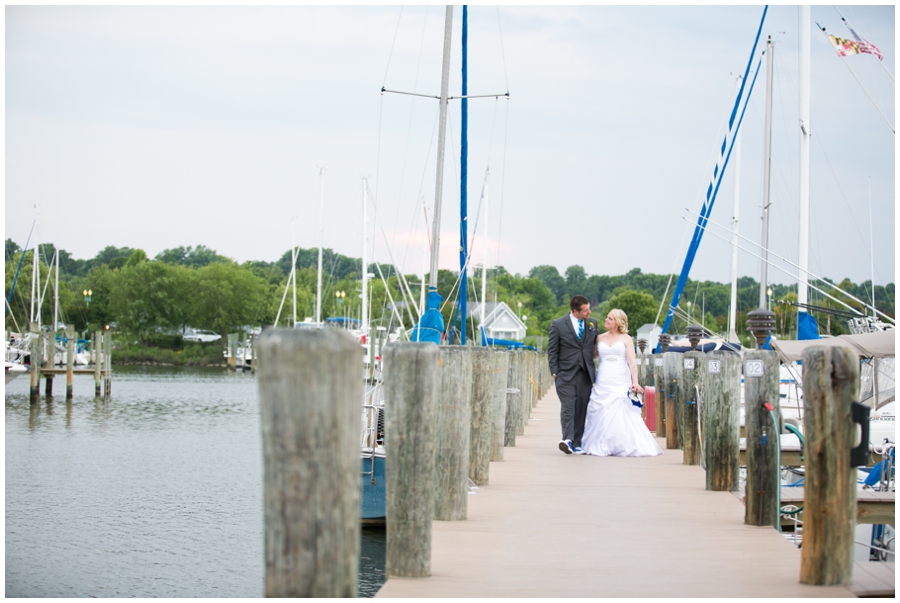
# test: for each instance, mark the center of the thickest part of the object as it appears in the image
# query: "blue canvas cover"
(431, 325)
(807, 327)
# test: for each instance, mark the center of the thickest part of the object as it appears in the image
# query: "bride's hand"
(638, 389)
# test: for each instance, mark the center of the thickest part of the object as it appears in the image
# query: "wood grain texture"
(830, 385)
(690, 432)
(513, 405)
(763, 468)
(453, 424)
(658, 372)
(310, 395)
(482, 420)
(673, 369)
(501, 367)
(721, 425)
(411, 394)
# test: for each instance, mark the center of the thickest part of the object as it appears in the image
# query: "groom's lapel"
(571, 328)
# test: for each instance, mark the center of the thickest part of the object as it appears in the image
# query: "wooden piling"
(763, 470)
(721, 425)
(673, 363)
(107, 356)
(310, 393)
(659, 383)
(36, 353)
(98, 361)
(830, 385)
(513, 406)
(411, 379)
(70, 359)
(482, 422)
(501, 367)
(693, 363)
(452, 435)
(521, 372)
(48, 384)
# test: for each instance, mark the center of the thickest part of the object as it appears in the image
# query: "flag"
(864, 46)
(845, 47)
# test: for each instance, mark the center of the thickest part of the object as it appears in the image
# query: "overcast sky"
(154, 127)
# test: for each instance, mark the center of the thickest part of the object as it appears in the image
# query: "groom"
(570, 352)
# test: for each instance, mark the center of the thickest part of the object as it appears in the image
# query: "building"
(500, 322)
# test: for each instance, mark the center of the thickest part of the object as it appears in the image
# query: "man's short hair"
(577, 302)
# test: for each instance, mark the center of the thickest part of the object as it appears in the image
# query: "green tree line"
(197, 287)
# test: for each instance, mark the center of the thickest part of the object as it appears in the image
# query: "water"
(154, 493)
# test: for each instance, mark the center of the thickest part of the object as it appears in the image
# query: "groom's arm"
(553, 349)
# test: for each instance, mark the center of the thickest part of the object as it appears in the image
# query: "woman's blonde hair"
(621, 320)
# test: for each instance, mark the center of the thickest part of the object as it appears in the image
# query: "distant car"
(201, 335)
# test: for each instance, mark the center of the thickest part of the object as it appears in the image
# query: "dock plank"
(555, 525)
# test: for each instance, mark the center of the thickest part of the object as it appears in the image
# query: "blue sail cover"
(431, 325)
(807, 327)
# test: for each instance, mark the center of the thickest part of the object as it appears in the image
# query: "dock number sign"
(657, 362)
(753, 368)
(689, 364)
(715, 366)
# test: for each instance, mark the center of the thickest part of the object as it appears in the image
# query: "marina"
(552, 525)
(391, 426)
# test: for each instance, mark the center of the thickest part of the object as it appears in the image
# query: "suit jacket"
(566, 353)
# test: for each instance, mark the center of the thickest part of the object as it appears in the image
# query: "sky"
(155, 127)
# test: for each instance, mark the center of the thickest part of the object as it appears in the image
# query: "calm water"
(154, 493)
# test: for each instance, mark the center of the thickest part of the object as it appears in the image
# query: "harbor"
(553, 525)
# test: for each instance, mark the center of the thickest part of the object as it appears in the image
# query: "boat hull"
(372, 500)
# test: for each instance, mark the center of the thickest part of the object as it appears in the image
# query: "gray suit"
(572, 361)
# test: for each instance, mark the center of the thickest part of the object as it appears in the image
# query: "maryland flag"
(847, 47)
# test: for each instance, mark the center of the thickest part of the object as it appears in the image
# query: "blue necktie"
(580, 329)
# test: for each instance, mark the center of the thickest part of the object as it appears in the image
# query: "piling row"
(451, 410)
(42, 353)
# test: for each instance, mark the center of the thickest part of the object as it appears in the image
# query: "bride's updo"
(621, 320)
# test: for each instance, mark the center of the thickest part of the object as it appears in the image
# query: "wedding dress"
(613, 426)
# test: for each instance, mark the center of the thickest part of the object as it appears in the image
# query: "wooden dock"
(556, 525)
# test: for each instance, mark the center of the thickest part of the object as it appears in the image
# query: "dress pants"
(574, 396)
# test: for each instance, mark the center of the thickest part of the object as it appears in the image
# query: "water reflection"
(155, 492)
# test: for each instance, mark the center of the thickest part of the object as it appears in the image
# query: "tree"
(550, 276)
(575, 280)
(12, 249)
(640, 308)
(192, 257)
(226, 297)
(150, 295)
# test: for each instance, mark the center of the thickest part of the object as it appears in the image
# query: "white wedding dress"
(614, 426)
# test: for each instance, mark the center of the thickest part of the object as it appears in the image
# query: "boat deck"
(555, 525)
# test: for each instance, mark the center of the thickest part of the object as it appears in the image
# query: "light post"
(340, 297)
(87, 297)
(769, 298)
(689, 313)
(520, 310)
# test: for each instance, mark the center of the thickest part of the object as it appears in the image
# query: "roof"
(879, 344)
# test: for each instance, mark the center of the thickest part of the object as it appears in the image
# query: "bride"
(614, 426)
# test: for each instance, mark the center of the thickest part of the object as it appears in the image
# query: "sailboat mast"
(56, 295)
(484, 264)
(442, 135)
(35, 280)
(767, 180)
(294, 273)
(319, 269)
(365, 262)
(464, 182)
(735, 212)
(872, 248)
(805, 132)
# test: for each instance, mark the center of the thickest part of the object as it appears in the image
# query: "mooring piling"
(830, 387)
(411, 379)
(453, 422)
(721, 420)
(310, 416)
(498, 432)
